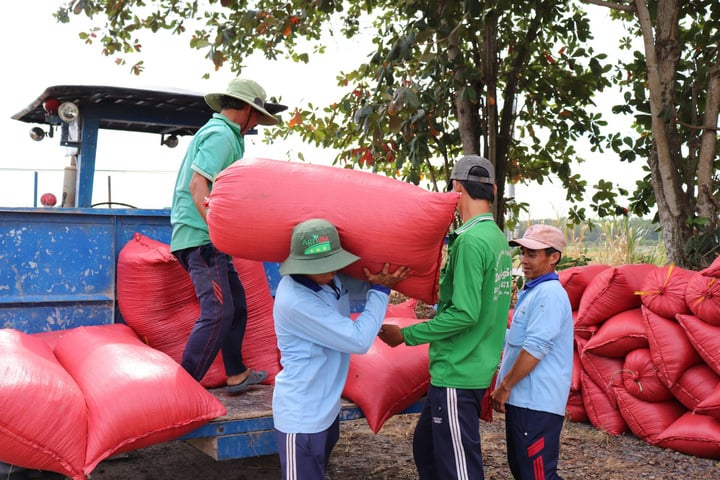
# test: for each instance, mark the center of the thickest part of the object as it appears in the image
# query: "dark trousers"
(223, 311)
(446, 444)
(304, 456)
(533, 443)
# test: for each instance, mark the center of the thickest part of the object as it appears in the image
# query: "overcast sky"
(38, 52)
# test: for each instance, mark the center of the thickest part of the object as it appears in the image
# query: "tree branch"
(612, 5)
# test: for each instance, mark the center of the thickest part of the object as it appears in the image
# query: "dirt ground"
(586, 454)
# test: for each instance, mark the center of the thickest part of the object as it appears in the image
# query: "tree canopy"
(512, 80)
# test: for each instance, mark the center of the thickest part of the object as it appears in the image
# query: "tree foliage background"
(513, 80)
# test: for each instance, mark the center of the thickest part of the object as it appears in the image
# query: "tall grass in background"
(614, 241)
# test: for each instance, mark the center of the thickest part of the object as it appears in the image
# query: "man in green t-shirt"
(223, 309)
(467, 333)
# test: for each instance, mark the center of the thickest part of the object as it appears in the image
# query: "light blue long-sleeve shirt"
(542, 325)
(316, 336)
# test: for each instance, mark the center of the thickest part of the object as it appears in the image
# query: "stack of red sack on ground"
(648, 353)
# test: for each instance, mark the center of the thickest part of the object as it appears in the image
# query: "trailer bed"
(246, 430)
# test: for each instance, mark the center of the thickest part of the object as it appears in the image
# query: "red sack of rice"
(647, 420)
(664, 290)
(693, 434)
(576, 279)
(695, 385)
(136, 396)
(671, 349)
(612, 291)
(255, 203)
(702, 297)
(704, 337)
(157, 300)
(385, 380)
(43, 424)
(603, 414)
(619, 335)
(641, 380)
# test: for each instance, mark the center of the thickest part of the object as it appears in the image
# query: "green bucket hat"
(249, 92)
(315, 248)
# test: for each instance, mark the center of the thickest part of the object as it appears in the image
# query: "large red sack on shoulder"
(255, 203)
(576, 279)
(704, 337)
(136, 396)
(603, 414)
(693, 434)
(671, 349)
(641, 379)
(695, 385)
(702, 297)
(612, 291)
(385, 380)
(647, 420)
(43, 425)
(157, 300)
(619, 335)
(664, 290)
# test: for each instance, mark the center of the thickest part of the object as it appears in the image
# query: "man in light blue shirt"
(315, 337)
(533, 383)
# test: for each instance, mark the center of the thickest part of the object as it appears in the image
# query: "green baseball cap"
(315, 248)
(249, 92)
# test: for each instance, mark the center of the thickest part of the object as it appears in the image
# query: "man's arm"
(200, 190)
(524, 364)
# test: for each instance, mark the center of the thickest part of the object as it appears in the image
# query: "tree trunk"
(665, 161)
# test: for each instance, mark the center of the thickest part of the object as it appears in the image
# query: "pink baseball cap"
(540, 237)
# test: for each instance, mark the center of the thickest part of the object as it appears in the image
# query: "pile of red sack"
(157, 300)
(72, 398)
(648, 353)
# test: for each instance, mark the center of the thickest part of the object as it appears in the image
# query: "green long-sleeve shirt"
(466, 335)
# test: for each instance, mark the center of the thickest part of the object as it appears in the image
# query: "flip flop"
(255, 377)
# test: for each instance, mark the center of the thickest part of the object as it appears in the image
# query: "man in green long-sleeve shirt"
(466, 335)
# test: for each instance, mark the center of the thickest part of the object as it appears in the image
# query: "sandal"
(255, 377)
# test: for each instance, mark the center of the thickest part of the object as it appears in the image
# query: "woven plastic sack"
(136, 396)
(385, 380)
(576, 279)
(641, 379)
(704, 337)
(43, 424)
(619, 335)
(693, 434)
(612, 291)
(702, 297)
(664, 290)
(255, 203)
(647, 420)
(695, 385)
(602, 413)
(671, 349)
(157, 300)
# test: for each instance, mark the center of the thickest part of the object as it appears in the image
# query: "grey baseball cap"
(315, 248)
(461, 170)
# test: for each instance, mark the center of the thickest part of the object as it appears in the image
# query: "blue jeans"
(223, 311)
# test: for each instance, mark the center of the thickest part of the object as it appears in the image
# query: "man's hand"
(391, 334)
(384, 277)
(499, 397)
